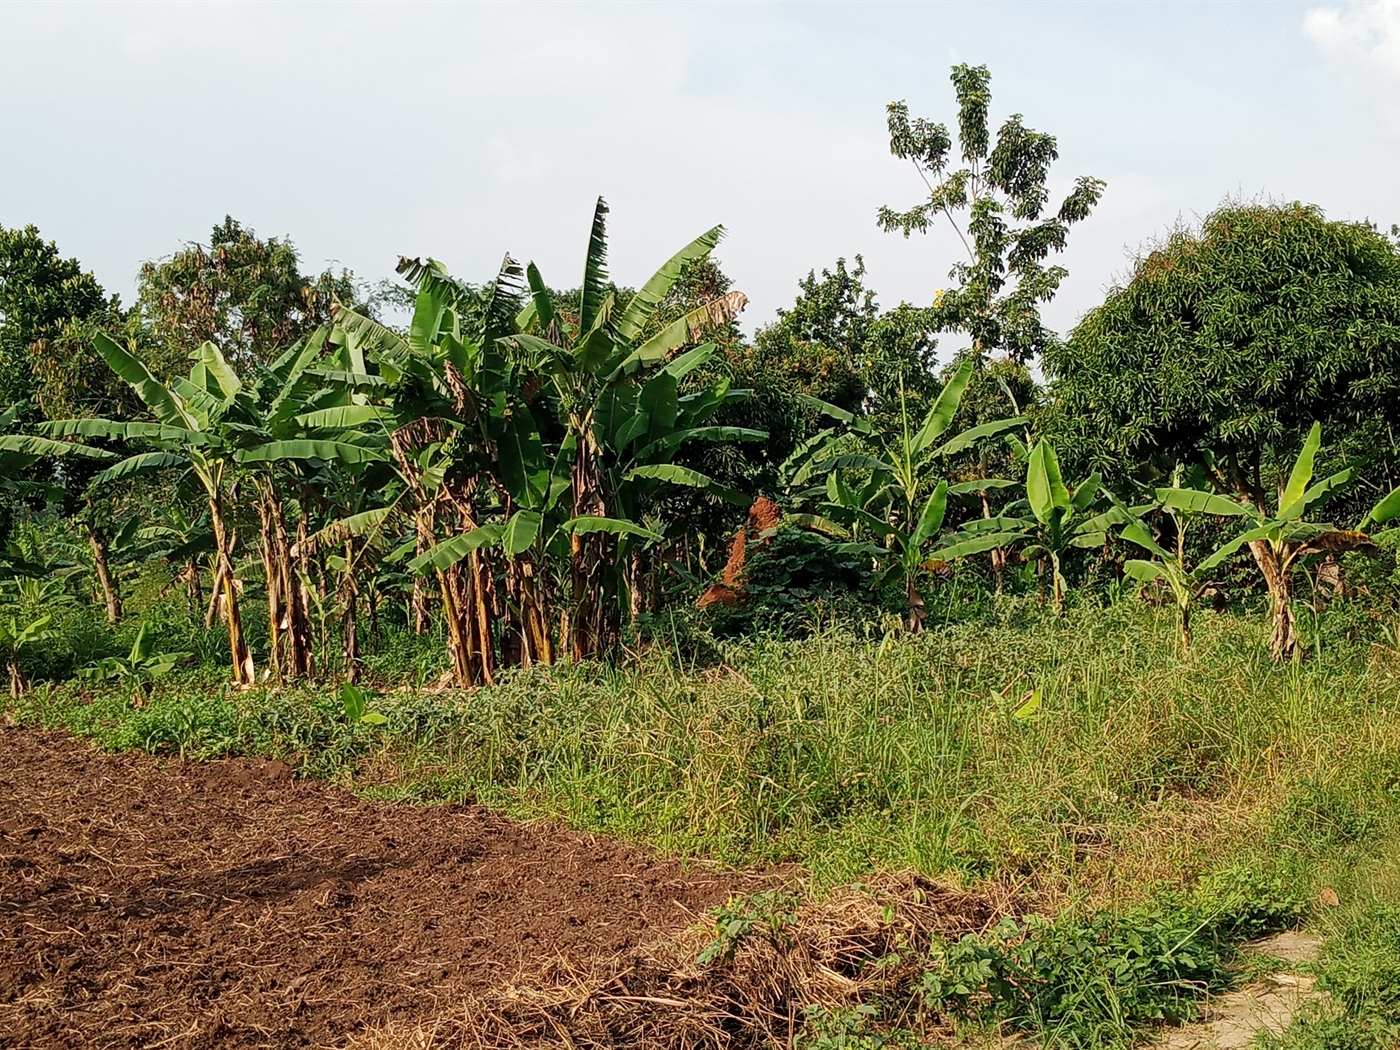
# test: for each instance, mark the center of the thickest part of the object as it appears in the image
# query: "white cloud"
(1362, 39)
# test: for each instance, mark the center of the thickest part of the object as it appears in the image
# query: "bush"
(798, 579)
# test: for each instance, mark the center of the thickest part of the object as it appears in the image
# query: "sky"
(466, 131)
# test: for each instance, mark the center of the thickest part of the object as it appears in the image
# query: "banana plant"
(600, 357)
(15, 636)
(1184, 505)
(18, 452)
(188, 434)
(466, 445)
(1061, 518)
(904, 500)
(138, 669)
(1282, 540)
(178, 536)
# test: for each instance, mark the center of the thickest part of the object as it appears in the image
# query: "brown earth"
(150, 902)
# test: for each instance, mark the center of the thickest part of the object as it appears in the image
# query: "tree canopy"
(245, 293)
(1231, 341)
(995, 203)
(41, 293)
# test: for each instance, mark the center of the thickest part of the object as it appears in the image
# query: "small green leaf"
(1029, 707)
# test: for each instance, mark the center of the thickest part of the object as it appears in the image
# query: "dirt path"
(149, 902)
(1236, 1019)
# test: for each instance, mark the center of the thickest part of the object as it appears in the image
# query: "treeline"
(535, 471)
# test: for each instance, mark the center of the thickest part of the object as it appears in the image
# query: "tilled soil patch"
(146, 901)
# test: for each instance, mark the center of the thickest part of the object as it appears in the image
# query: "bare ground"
(145, 901)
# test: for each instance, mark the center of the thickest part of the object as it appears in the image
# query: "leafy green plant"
(354, 700)
(14, 637)
(905, 500)
(141, 667)
(849, 1028)
(1059, 518)
(1183, 506)
(1098, 980)
(766, 912)
(797, 576)
(1282, 541)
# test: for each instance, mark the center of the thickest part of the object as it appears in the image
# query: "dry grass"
(846, 948)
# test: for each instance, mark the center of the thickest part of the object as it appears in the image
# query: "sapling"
(1183, 505)
(138, 669)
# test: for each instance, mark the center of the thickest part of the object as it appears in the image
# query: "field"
(1099, 822)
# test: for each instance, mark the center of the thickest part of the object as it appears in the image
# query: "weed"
(768, 911)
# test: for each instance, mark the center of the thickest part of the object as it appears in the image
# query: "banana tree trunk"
(423, 539)
(636, 584)
(531, 625)
(239, 653)
(349, 622)
(296, 602)
(299, 594)
(110, 595)
(593, 628)
(272, 576)
(469, 605)
(214, 611)
(480, 603)
(915, 600)
(461, 634)
(1280, 584)
(193, 593)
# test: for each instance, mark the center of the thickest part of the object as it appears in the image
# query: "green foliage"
(1181, 505)
(355, 700)
(905, 494)
(766, 912)
(797, 579)
(244, 293)
(1100, 979)
(41, 294)
(139, 669)
(849, 1028)
(16, 635)
(1360, 971)
(1233, 340)
(998, 291)
(1060, 517)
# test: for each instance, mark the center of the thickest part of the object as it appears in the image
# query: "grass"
(1082, 762)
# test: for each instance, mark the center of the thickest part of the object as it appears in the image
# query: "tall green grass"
(1082, 756)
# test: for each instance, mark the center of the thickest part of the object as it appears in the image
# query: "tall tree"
(244, 293)
(41, 295)
(995, 204)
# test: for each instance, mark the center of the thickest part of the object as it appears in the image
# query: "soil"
(146, 901)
